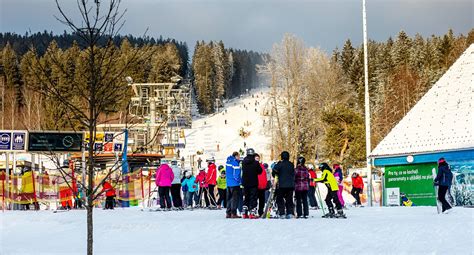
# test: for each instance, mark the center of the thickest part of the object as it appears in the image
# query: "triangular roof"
(442, 120)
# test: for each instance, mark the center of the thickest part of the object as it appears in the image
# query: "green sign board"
(55, 141)
(415, 181)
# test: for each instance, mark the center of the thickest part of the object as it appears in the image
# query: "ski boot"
(330, 214)
(245, 212)
(340, 214)
(253, 214)
(289, 216)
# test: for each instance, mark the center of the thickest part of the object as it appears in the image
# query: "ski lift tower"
(165, 109)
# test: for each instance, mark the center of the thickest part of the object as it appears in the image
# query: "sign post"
(125, 203)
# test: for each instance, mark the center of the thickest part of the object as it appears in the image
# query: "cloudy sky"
(257, 24)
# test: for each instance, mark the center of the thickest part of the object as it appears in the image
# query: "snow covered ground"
(416, 230)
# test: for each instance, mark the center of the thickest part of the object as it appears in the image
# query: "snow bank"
(416, 230)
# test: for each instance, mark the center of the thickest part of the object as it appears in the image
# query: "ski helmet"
(310, 166)
(250, 152)
(265, 165)
(301, 160)
(220, 167)
(324, 166)
(187, 174)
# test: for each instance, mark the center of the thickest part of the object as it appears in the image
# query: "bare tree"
(98, 88)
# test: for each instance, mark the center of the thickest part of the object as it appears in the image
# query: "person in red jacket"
(357, 187)
(262, 186)
(109, 194)
(312, 188)
(201, 183)
(211, 181)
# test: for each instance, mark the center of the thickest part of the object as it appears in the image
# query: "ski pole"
(320, 200)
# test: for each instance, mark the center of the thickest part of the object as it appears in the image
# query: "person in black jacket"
(444, 180)
(250, 171)
(285, 171)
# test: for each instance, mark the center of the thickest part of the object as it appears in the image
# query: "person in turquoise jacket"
(221, 187)
(192, 188)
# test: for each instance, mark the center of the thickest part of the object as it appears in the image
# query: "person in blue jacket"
(191, 187)
(233, 181)
(443, 179)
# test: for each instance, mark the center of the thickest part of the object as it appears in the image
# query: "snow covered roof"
(442, 120)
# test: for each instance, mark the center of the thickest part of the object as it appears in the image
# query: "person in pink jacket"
(164, 177)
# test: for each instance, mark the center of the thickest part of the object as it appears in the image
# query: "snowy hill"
(211, 135)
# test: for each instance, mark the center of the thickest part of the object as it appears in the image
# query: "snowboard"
(438, 203)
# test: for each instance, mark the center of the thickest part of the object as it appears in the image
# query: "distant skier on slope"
(250, 171)
(331, 183)
(285, 171)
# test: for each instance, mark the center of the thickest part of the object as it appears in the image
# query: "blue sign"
(19, 143)
(97, 147)
(109, 137)
(118, 147)
(5, 140)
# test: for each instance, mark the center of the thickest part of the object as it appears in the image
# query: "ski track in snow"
(416, 230)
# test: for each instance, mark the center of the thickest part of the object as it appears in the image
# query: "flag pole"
(367, 109)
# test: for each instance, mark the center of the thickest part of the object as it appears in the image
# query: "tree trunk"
(90, 228)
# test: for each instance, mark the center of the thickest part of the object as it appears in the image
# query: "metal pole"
(7, 178)
(367, 109)
(83, 166)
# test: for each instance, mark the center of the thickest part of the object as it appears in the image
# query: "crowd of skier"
(248, 188)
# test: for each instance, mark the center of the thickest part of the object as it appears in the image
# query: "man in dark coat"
(444, 180)
(250, 171)
(285, 171)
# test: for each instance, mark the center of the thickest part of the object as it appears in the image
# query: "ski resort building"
(441, 124)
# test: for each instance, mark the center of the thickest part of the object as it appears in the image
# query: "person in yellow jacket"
(222, 188)
(328, 179)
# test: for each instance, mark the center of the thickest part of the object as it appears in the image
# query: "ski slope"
(377, 230)
(210, 131)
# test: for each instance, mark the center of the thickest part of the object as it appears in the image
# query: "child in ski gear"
(357, 187)
(164, 177)
(268, 172)
(262, 186)
(201, 181)
(328, 179)
(301, 188)
(109, 194)
(176, 185)
(190, 183)
(250, 171)
(405, 200)
(211, 180)
(339, 178)
(443, 180)
(312, 187)
(233, 181)
(221, 188)
(285, 171)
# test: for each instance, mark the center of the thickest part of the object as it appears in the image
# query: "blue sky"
(257, 25)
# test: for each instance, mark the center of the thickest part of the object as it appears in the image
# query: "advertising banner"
(414, 181)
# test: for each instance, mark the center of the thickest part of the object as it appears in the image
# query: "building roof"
(443, 118)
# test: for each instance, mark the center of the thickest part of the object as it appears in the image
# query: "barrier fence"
(55, 191)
